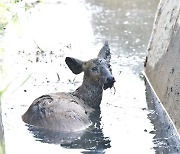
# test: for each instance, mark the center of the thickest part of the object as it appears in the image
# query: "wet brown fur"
(71, 111)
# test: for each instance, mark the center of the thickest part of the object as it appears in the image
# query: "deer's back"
(59, 112)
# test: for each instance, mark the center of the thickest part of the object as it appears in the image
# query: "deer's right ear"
(75, 65)
(105, 52)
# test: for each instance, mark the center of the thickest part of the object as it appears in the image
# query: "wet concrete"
(162, 66)
(36, 47)
(166, 137)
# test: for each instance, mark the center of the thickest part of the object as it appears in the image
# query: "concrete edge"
(174, 129)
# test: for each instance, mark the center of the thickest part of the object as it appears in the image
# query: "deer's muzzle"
(109, 82)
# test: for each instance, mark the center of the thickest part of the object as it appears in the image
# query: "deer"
(70, 111)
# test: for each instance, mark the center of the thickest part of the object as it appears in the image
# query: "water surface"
(36, 47)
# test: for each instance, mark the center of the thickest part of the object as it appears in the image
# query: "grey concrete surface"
(162, 65)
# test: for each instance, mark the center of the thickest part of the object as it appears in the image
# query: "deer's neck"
(90, 93)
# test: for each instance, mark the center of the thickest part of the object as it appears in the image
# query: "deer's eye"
(95, 69)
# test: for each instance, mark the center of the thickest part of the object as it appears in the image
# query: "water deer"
(71, 111)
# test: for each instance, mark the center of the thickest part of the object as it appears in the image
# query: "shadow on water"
(92, 139)
(166, 139)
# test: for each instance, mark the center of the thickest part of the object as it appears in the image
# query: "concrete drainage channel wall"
(166, 136)
(162, 66)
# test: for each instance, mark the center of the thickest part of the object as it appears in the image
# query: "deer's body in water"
(71, 111)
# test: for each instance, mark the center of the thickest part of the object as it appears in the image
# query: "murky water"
(35, 49)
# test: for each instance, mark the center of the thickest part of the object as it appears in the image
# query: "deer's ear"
(75, 65)
(105, 52)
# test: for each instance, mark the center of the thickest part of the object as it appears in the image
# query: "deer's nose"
(110, 79)
(109, 82)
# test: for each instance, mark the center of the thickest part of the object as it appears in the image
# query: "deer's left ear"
(75, 65)
(105, 52)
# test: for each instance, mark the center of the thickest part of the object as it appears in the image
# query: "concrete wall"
(162, 65)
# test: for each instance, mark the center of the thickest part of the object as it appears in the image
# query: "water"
(35, 49)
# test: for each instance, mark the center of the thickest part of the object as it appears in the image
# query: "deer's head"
(97, 71)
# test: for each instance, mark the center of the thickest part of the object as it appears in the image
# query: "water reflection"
(166, 138)
(91, 139)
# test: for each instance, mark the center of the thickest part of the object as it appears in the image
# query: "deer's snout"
(109, 82)
(110, 79)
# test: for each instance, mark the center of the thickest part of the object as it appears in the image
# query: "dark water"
(36, 47)
(166, 137)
